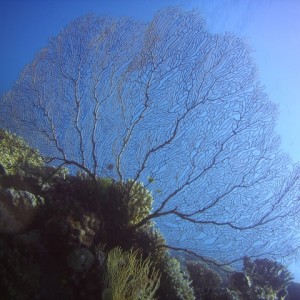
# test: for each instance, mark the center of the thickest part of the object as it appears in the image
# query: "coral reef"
(204, 280)
(81, 260)
(51, 223)
(15, 154)
(139, 201)
(175, 284)
(70, 237)
(293, 291)
(129, 277)
(261, 279)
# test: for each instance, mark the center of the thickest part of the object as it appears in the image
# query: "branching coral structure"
(129, 277)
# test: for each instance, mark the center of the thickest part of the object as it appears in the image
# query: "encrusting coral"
(15, 154)
(139, 200)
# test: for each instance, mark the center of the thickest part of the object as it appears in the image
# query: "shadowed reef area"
(66, 236)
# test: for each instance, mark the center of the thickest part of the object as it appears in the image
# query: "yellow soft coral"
(129, 277)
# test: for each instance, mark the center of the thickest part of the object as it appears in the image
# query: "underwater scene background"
(140, 159)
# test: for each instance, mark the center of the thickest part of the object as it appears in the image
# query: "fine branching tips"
(170, 105)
